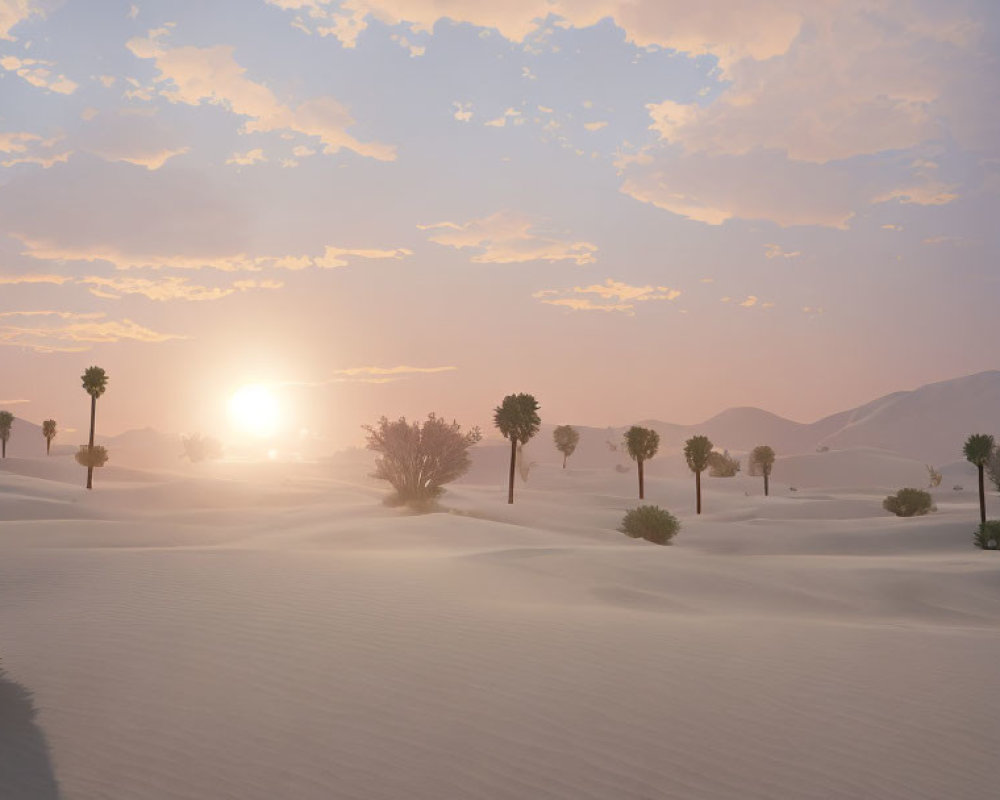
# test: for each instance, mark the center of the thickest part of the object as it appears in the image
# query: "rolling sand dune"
(256, 633)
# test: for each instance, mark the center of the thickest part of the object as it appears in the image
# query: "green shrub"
(908, 503)
(651, 523)
(988, 535)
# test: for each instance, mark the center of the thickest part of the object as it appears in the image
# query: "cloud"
(29, 148)
(80, 333)
(131, 138)
(236, 262)
(195, 75)
(776, 251)
(501, 121)
(374, 375)
(463, 111)
(57, 280)
(16, 402)
(169, 288)
(13, 12)
(508, 238)
(255, 156)
(611, 295)
(38, 73)
(595, 126)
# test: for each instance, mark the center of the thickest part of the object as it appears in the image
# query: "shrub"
(933, 477)
(417, 460)
(993, 468)
(722, 465)
(988, 535)
(198, 448)
(908, 503)
(651, 523)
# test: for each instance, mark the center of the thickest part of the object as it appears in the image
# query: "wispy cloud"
(508, 238)
(79, 331)
(373, 374)
(609, 296)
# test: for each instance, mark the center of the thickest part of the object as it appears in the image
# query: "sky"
(631, 209)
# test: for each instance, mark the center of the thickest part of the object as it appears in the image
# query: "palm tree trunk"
(642, 485)
(697, 488)
(48, 446)
(564, 461)
(513, 459)
(765, 483)
(982, 496)
(4, 443)
(90, 448)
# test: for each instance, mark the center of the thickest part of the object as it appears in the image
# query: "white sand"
(274, 632)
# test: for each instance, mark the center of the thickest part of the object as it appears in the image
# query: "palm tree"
(697, 449)
(762, 458)
(95, 382)
(517, 419)
(6, 420)
(642, 444)
(566, 438)
(977, 450)
(49, 432)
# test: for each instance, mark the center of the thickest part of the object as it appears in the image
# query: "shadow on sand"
(25, 766)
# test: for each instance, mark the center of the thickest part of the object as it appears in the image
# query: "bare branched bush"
(418, 460)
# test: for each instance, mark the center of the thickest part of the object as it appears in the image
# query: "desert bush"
(417, 460)
(988, 535)
(84, 458)
(933, 477)
(651, 523)
(908, 503)
(722, 465)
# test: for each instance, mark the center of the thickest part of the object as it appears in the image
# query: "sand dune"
(248, 633)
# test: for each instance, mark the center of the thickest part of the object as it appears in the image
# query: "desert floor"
(253, 633)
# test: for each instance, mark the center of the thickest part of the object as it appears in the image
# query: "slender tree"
(642, 444)
(95, 383)
(697, 449)
(762, 459)
(977, 450)
(6, 421)
(49, 432)
(566, 438)
(517, 419)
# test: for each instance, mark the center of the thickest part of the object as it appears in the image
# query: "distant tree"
(696, 452)
(651, 523)
(6, 421)
(91, 456)
(49, 432)
(722, 465)
(993, 467)
(95, 383)
(908, 503)
(418, 460)
(198, 448)
(762, 460)
(977, 450)
(566, 438)
(933, 477)
(641, 444)
(517, 419)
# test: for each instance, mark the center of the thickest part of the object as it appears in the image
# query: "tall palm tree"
(762, 457)
(517, 419)
(49, 432)
(697, 449)
(977, 449)
(566, 438)
(6, 421)
(95, 383)
(642, 444)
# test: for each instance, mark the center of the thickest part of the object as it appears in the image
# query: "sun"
(255, 410)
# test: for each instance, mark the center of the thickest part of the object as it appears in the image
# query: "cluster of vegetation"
(651, 523)
(198, 448)
(978, 450)
(722, 465)
(908, 503)
(933, 477)
(987, 537)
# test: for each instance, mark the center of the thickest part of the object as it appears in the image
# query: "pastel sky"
(629, 208)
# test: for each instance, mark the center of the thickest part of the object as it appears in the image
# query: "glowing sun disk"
(254, 410)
